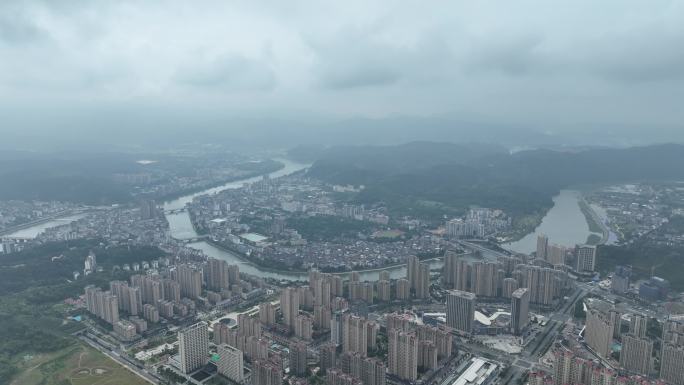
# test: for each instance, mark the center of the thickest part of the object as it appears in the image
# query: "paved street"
(116, 356)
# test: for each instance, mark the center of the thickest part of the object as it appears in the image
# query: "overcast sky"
(551, 65)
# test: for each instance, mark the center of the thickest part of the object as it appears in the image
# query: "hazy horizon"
(130, 73)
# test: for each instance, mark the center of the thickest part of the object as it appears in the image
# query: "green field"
(594, 226)
(36, 335)
(74, 365)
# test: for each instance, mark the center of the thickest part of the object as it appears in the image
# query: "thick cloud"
(229, 73)
(553, 66)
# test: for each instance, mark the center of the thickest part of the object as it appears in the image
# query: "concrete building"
(230, 363)
(673, 331)
(509, 286)
(373, 372)
(304, 327)
(217, 275)
(171, 290)
(545, 284)
(338, 377)
(441, 337)
(328, 355)
(384, 290)
(635, 356)
(427, 355)
(103, 304)
(616, 320)
(267, 313)
(129, 298)
(372, 329)
(638, 325)
(655, 289)
(298, 359)
(322, 316)
(556, 255)
(422, 288)
(248, 326)
(484, 279)
(403, 289)
(542, 246)
(190, 280)
(90, 264)
(321, 289)
(289, 305)
(520, 310)
(337, 328)
(620, 281)
(460, 307)
(267, 372)
(355, 334)
(562, 367)
(599, 331)
(193, 346)
(672, 364)
(412, 273)
(140, 324)
(125, 330)
(456, 272)
(402, 355)
(480, 372)
(586, 258)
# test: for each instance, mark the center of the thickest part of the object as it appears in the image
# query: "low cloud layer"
(553, 66)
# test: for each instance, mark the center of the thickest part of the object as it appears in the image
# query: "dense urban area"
(268, 274)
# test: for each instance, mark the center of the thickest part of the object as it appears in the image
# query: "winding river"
(181, 228)
(564, 224)
(33, 231)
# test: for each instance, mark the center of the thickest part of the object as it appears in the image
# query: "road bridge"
(486, 252)
(175, 211)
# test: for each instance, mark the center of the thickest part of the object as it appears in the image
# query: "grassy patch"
(594, 226)
(75, 365)
(593, 239)
(35, 331)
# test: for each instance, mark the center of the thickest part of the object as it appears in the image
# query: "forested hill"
(422, 178)
(362, 164)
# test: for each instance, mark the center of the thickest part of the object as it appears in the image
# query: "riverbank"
(198, 189)
(44, 223)
(595, 224)
(563, 224)
(525, 226)
(257, 263)
(248, 259)
(36, 222)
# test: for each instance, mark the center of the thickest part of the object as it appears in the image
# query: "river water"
(33, 231)
(564, 224)
(181, 228)
(179, 223)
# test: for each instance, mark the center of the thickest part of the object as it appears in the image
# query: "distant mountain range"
(432, 178)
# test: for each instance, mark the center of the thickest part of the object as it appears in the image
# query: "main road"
(115, 355)
(486, 252)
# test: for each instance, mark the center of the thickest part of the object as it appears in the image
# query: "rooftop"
(253, 237)
(477, 373)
